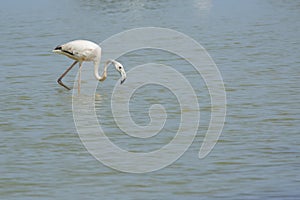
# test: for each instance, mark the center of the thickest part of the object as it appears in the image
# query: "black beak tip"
(122, 81)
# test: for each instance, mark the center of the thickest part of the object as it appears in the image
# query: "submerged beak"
(123, 74)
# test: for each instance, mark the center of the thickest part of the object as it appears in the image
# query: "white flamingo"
(83, 50)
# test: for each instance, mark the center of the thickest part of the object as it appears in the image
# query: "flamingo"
(84, 50)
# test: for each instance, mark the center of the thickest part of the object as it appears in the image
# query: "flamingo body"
(80, 50)
(86, 51)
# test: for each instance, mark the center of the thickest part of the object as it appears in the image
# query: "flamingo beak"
(123, 74)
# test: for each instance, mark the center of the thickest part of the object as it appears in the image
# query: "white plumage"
(84, 50)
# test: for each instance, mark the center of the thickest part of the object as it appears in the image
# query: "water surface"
(255, 45)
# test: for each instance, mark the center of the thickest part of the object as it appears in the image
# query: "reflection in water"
(203, 4)
(112, 6)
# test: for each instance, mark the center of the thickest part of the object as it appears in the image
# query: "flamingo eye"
(120, 67)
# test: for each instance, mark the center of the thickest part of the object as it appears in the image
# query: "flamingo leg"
(59, 80)
(79, 77)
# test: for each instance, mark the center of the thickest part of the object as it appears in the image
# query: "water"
(255, 45)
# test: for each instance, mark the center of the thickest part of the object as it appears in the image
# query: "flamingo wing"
(80, 50)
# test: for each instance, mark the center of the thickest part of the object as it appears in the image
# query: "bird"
(86, 51)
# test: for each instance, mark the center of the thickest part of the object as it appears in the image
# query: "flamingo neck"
(96, 68)
(104, 74)
(96, 71)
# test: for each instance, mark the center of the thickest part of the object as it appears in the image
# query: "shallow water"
(255, 45)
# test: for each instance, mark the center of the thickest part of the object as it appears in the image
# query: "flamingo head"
(119, 67)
